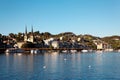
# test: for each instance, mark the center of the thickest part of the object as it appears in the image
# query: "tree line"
(114, 41)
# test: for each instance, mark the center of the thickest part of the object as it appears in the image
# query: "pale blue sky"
(95, 17)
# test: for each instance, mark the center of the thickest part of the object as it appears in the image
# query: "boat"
(84, 51)
(73, 51)
(119, 50)
(64, 51)
(34, 51)
(14, 50)
(110, 50)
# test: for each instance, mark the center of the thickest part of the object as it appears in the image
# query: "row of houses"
(100, 45)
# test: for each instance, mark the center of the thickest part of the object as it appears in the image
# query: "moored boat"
(14, 50)
(84, 51)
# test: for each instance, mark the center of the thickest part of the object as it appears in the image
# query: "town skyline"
(98, 18)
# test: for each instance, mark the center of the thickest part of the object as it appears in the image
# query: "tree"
(0, 35)
(45, 35)
(4, 37)
(12, 35)
(28, 45)
(20, 37)
(36, 33)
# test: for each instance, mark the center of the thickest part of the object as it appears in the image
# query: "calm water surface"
(60, 66)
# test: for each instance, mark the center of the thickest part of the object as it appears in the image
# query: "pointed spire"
(32, 29)
(25, 30)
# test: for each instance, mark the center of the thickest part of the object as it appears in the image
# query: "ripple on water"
(88, 66)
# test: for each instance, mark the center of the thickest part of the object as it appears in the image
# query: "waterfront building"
(19, 44)
(55, 44)
(101, 45)
(49, 41)
(79, 39)
(61, 38)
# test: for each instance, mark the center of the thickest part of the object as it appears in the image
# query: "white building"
(61, 38)
(55, 44)
(79, 39)
(102, 45)
(48, 41)
(19, 44)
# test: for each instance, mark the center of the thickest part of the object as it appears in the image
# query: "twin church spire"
(29, 38)
(26, 30)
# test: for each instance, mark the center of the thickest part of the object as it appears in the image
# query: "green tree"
(36, 33)
(20, 37)
(0, 35)
(28, 45)
(12, 35)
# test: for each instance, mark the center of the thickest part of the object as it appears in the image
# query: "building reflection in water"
(98, 58)
(23, 62)
(56, 62)
(7, 60)
(51, 60)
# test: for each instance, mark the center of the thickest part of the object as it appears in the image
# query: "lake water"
(60, 66)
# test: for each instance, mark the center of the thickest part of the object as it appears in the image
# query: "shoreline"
(39, 50)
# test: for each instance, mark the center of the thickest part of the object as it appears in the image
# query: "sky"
(96, 17)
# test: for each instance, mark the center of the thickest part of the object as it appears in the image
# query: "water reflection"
(51, 60)
(99, 59)
(59, 66)
(20, 62)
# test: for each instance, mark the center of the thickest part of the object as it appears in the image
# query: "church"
(29, 38)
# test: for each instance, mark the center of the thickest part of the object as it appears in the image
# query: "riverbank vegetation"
(86, 39)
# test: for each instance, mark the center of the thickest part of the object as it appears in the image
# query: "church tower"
(25, 36)
(31, 35)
